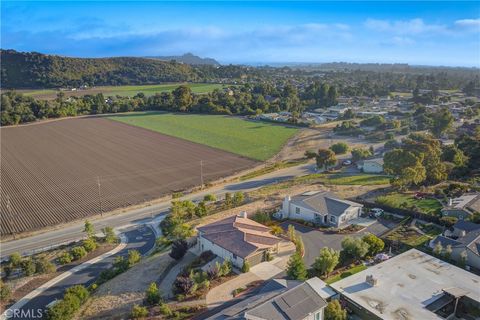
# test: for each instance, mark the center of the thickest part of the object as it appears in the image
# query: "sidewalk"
(20, 303)
(166, 285)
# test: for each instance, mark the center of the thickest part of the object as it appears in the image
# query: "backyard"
(407, 201)
(255, 140)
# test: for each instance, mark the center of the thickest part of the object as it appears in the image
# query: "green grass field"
(362, 179)
(255, 140)
(149, 90)
(407, 201)
(345, 274)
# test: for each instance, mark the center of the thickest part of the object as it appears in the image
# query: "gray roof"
(470, 241)
(323, 202)
(466, 226)
(294, 304)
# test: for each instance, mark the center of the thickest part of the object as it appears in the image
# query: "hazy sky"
(432, 33)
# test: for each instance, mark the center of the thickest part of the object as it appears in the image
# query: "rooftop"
(239, 235)
(323, 202)
(407, 284)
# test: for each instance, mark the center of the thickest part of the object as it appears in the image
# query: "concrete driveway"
(315, 239)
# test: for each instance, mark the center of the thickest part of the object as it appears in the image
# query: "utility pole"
(9, 209)
(99, 196)
(201, 174)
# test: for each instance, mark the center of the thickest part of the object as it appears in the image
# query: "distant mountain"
(36, 70)
(189, 58)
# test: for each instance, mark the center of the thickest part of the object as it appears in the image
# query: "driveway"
(315, 239)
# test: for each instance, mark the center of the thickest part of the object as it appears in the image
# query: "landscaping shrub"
(334, 311)
(42, 265)
(139, 312)
(80, 292)
(109, 234)
(65, 258)
(179, 248)
(339, 148)
(90, 244)
(5, 292)
(134, 257)
(165, 310)
(246, 266)
(152, 295)
(448, 221)
(78, 252)
(28, 267)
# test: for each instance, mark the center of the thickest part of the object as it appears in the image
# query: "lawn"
(255, 140)
(345, 274)
(149, 90)
(362, 179)
(407, 201)
(408, 236)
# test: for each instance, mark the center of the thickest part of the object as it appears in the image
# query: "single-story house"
(321, 208)
(411, 285)
(371, 165)
(237, 239)
(463, 206)
(282, 299)
(464, 240)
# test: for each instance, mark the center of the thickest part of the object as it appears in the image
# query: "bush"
(139, 312)
(80, 292)
(109, 234)
(90, 244)
(448, 221)
(310, 154)
(184, 285)
(152, 295)
(339, 148)
(134, 257)
(261, 217)
(225, 268)
(28, 267)
(246, 266)
(42, 265)
(179, 248)
(165, 310)
(5, 292)
(334, 311)
(15, 259)
(276, 230)
(210, 197)
(65, 258)
(78, 252)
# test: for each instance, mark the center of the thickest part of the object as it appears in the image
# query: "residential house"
(371, 165)
(464, 239)
(280, 299)
(411, 285)
(238, 239)
(462, 207)
(321, 208)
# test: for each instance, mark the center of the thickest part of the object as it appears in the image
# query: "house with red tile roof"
(238, 239)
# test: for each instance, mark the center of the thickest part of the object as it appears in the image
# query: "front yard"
(407, 201)
(344, 274)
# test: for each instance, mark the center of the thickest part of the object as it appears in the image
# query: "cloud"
(413, 26)
(402, 41)
(468, 23)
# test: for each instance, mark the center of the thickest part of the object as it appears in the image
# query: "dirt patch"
(115, 298)
(51, 172)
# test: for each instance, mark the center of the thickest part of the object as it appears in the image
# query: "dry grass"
(115, 298)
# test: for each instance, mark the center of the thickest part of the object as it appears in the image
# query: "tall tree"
(325, 158)
(326, 261)
(296, 267)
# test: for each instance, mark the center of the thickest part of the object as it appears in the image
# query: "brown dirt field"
(50, 171)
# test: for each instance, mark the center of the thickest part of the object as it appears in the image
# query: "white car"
(377, 212)
(347, 162)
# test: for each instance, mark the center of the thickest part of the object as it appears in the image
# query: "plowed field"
(50, 172)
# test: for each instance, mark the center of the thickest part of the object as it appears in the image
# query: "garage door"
(256, 259)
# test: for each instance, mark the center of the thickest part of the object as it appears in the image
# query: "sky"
(419, 33)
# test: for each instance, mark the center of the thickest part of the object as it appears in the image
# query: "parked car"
(377, 212)
(347, 162)
(420, 195)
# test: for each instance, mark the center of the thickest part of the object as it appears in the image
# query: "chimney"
(243, 214)
(450, 202)
(371, 280)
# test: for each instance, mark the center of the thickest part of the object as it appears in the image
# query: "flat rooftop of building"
(407, 284)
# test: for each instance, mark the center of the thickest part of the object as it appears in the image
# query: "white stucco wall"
(219, 251)
(372, 167)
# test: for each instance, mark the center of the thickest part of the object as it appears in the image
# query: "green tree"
(89, 244)
(65, 258)
(405, 166)
(78, 252)
(209, 197)
(238, 198)
(334, 311)
(201, 209)
(354, 247)
(182, 98)
(360, 154)
(375, 244)
(325, 158)
(326, 261)
(448, 252)
(438, 249)
(28, 267)
(152, 294)
(339, 148)
(228, 200)
(296, 267)
(5, 292)
(89, 229)
(442, 122)
(42, 265)
(15, 259)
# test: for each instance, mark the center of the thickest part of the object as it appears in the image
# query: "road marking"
(23, 301)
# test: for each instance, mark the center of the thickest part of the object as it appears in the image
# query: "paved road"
(139, 238)
(74, 231)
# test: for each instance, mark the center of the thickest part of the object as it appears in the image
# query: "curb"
(20, 303)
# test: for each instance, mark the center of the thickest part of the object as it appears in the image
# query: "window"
(297, 210)
(318, 316)
(343, 218)
(332, 219)
(234, 257)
